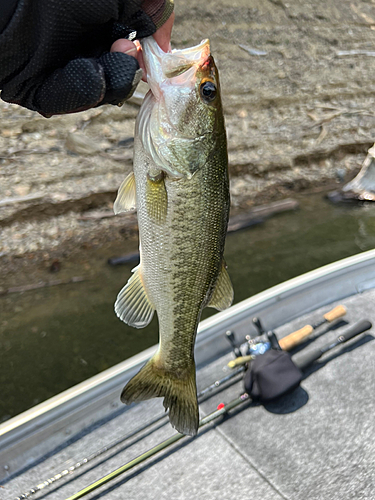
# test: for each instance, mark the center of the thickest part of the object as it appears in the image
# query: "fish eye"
(208, 91)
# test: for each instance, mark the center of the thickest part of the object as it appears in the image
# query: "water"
(54, 338)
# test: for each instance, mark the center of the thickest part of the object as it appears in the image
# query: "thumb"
(122, 75)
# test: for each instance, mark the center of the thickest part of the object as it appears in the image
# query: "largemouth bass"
(181, 191)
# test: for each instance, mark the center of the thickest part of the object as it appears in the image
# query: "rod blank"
(222, 410)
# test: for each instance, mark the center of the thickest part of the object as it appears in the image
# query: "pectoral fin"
(156, 196)
(125, 199)
(132, 305)
(223, 292)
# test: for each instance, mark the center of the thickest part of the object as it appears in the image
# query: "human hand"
(55, 56)
(162, 37)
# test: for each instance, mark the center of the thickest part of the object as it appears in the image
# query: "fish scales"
(183, 270)
(182, 208)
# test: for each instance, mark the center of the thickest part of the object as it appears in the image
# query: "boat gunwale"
(276, 293)
(77, 401)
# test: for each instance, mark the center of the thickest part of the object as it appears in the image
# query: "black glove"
(54, 54)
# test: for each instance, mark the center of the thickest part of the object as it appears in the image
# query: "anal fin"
(133, 306)
(222, 296)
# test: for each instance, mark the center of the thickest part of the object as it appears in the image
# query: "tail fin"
(180, 394)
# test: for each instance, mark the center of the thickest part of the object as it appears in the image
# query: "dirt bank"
(299, 94)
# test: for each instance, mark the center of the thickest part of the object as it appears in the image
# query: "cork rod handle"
(336, 313)
(287, 343)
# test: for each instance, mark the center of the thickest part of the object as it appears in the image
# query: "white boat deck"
(317, 443)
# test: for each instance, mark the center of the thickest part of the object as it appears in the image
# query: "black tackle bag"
(271, 375)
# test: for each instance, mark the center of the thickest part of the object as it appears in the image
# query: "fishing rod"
(221, 410)
(72, 468)
(314, 354)
(256, 346)
(137, 435)
(330, 316)
(292, 340)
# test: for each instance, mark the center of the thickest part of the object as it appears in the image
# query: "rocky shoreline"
(298, 93)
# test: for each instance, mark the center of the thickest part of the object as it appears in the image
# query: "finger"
(122, 75)
(124, 46)
(163, 34)
(86, 83)
(131, 49)
(78, 86)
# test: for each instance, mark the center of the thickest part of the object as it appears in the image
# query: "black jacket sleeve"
(7, 8)
(54, 55)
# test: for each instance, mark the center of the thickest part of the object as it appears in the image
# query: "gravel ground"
(298, 91)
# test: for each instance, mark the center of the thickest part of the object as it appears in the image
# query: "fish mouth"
(162, 66)
(179, 61)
